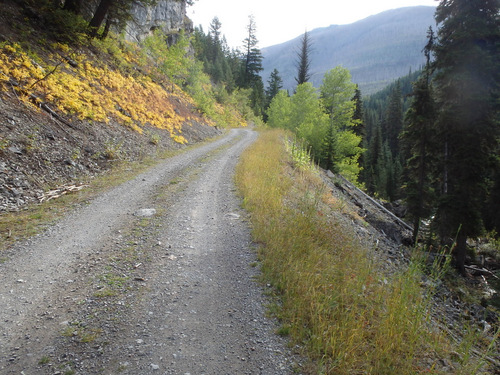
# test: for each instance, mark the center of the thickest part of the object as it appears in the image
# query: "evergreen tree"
(392, 128)
(373, 161)
(216, 35)
(217, 66)
(214, 40)
(252, 65)
(219, 62)
(359, 126)
(385, 173)
(257, 98)
(376, 112)
(253, 56)
(394, 119)
(199, 43)
(274, 85)
(419, 145)
(234, 69)
(467, 83)
(328, 149)
(304, 60)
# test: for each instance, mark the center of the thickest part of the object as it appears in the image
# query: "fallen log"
(43, 105)
(482, 271)
(59, 192)
(355, 189)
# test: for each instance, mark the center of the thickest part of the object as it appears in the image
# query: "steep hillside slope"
(71, 110)
(376, 50)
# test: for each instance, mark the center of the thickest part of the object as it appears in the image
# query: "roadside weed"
(44, 360)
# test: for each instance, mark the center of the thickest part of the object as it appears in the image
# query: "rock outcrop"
(168, 15)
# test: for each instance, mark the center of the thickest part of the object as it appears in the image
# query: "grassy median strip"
(349, 316)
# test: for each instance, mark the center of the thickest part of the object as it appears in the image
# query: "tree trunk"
(74, 6)
(99, 15)
(107, 26)
(460, 252)
(416, 229)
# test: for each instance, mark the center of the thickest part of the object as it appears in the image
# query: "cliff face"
(168, 15)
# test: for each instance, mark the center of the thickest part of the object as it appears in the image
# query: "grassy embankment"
(350, 317)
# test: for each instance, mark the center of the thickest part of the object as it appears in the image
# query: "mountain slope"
(71, 108)
(376, 50)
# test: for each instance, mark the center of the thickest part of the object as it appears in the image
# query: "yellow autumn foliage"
(92, 91)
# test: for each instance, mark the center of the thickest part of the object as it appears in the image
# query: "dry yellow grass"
(349, 316)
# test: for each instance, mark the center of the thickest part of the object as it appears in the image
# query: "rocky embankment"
(39, 153)
(46, 146)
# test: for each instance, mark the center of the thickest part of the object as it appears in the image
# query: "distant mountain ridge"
(377, 50)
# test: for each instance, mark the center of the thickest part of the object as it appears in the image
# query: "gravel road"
(157, 276)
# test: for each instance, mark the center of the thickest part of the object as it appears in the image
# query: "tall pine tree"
(252, 65)
(358, 116)
(467, 84)
(394, 119)
(252, 59)
(419, 146)
(304, 60)
(373, 161)
(274, 85)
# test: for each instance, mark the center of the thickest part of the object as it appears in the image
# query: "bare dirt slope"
(111, 289)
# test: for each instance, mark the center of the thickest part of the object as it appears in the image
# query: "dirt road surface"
(157, 276)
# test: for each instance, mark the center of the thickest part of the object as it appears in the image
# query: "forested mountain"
(376, 50)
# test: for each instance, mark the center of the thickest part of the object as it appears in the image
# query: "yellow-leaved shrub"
(92, 91)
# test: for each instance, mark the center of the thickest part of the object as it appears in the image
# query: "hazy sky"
(281, 20)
